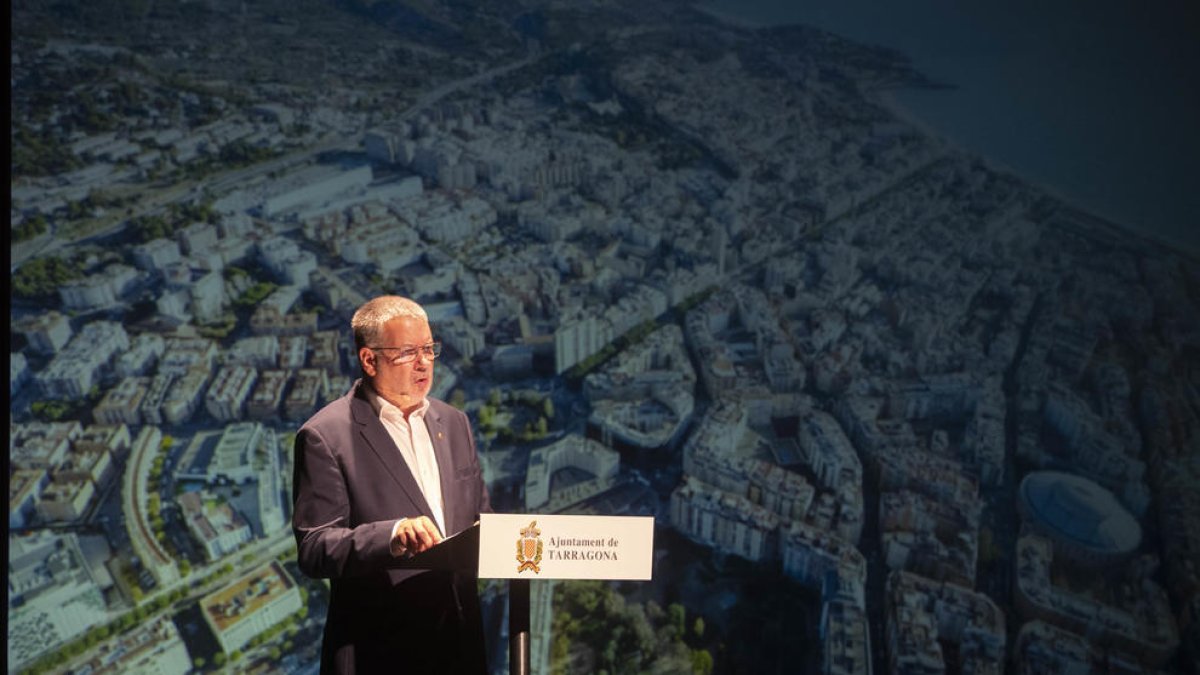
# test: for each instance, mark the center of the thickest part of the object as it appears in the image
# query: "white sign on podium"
(534, 546)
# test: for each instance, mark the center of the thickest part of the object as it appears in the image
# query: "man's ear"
(366, 358)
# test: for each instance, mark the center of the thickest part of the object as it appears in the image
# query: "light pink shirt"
(412, 437)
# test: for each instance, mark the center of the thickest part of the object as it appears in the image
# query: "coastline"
(886, 97)
(1162, 235)
(726, 18)
(1161, 228)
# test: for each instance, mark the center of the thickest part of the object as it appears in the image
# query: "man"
(384, 472)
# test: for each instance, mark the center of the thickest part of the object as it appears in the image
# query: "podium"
(546, 547)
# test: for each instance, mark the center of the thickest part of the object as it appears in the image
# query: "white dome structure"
(1085, 521)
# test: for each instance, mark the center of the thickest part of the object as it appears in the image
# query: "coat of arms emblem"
(529, 549)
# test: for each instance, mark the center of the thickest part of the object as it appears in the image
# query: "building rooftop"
(246, 595)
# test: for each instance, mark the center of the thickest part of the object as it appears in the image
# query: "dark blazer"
(350, 486)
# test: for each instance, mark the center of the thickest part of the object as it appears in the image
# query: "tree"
(548, 408)
(199, 662)
(30, 228)
(678, 615)
(41, 278)
(654, 611)
(52, 411)
(702, 662)
(149, 227)
(560, 649)
(698, 627)
(40, 153)
(77, 210)
(255, 294)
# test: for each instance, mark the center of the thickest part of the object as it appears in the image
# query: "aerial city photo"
(898, 399)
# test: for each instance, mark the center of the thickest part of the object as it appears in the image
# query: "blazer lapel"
(440, 438)
(385, 449)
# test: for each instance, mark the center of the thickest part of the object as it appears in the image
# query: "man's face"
(404, 385)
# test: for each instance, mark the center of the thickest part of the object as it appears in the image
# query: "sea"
(1097, 102)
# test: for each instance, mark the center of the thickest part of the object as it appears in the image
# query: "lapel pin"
(441, 435)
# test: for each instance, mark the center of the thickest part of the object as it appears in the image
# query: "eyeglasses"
(409, 354)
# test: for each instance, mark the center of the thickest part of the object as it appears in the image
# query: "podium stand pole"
(518, 626)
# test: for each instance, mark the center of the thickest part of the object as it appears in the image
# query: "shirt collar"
(383, 407)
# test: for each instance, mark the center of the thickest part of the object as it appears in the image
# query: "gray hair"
(368, 320)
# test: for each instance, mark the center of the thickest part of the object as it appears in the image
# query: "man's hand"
(413, 535)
